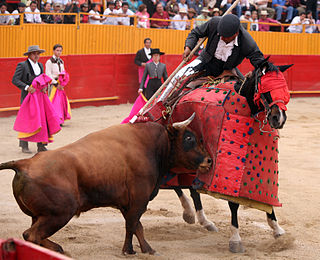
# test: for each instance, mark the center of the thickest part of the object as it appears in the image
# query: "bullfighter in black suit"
(25, 73)
(143, 56)
(228, 44)
(155, 70)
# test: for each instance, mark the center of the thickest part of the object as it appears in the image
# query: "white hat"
(264, 12)
(247, 13)
(183, 10)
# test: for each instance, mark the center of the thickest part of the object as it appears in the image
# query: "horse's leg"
(273, 223)
(188, 212)
(235, 244)
(202, 218)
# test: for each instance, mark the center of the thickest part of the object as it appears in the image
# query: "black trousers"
(152, 86)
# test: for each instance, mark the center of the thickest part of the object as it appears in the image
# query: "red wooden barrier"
(116, 75)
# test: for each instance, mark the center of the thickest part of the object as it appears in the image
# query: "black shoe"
(26, 150)
(42, 148)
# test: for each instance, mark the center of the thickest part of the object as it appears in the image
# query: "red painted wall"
(109, 75)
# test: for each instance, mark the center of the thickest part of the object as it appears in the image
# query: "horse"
(260, 98)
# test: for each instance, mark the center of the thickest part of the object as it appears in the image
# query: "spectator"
(318, 26)
(155, 70)
(84, 18)
(71, 7)
(180, 25)
(5, 19)
(47, 18)
(216, 12)
(183, 4)
(282, 6)
(264, 19)
(197, 5)
(124, 13)
(191, 15)
(297, 24)
(312, 28)
(94, 15)
(15, 14)
(143, 17)
(172, 8)
(57, 18)
(143, 56)
(25, 73)
(245, 19)
(33, 18)
(62, 3)
(263, 5)
(254, 26)
(243, 5)
(118, 4)
(300, 5)
(203, 17)
(151, 6)
(112, 12)
(225, 4)
(160, 14)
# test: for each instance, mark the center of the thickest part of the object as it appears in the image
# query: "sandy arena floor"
(99, 233)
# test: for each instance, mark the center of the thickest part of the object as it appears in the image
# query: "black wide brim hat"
(156, 51)
(228, 25)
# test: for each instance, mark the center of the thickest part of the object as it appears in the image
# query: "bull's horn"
(184, 123)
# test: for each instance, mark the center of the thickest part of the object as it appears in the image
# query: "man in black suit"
(228, 44)
(25, 73)
(143, 56)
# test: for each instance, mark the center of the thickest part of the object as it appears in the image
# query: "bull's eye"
(189, 141)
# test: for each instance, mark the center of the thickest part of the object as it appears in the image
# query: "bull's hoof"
(236, 247)
(211, 227)
(190, 219)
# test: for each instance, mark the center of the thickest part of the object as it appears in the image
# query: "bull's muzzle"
(205, 165)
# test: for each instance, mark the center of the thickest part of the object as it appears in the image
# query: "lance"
(200, 42)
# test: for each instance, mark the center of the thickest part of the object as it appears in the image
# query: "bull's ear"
(184, 123)
(283, 68)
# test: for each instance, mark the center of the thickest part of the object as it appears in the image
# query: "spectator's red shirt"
(164, 15)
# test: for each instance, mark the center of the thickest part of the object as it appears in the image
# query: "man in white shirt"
(15, 14)
(25, 73)
(177, 24)
(111, 11)
(124, 12)
(297, 22)
(143, 56)
(4, 19)
(94, 15)
(33, 18)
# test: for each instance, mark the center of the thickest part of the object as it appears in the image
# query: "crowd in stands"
(258, 15)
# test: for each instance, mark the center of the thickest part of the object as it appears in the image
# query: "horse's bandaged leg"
(277, 230)
(207, 224)
(188, 212)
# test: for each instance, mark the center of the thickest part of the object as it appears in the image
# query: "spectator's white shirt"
(92, 13)
(4, 19)
(261, 3)
(298, 28)
(15, 14)
(62, 2)
(33, 18)
(111, 20)
(224, 50)
(223, 3)
(179, 25)
(254, 26)
(125, 20)
(244, 3)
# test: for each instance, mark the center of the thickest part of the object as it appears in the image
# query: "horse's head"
(266, 89)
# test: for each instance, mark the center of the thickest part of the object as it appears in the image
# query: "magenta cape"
(138, 104)
(59, 99)
(36, 120)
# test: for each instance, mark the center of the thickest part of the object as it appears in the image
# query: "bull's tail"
(13, 165)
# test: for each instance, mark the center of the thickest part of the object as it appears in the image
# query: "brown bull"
(119, 167)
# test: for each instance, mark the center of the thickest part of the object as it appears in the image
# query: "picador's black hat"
(228, 25)
(156, 51)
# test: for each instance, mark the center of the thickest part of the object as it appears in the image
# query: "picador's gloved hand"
(142, 119)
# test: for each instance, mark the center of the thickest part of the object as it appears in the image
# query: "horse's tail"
(13, 165)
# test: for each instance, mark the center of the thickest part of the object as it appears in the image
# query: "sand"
(99, 233)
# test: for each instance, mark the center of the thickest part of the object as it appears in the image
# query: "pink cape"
(140, 71)
(59, 99)
(138, 104)
(36, 120)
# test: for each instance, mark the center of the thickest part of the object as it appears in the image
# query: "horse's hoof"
(190, 219)
(279, 233)
(129, 252)
(211, 227)
(236, 247)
